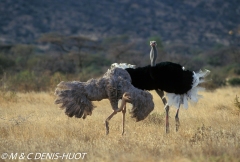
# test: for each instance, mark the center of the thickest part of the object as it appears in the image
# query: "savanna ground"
(209, 131)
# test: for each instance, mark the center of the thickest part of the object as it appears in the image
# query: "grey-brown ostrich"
(76, 97)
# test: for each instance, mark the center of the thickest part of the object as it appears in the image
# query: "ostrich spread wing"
(72, 97)
(76, 97)
(142, 103)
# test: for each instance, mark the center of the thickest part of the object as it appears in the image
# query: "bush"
(237, 70)
(28, 81)
(234, 81)
(215, 81)
(5, 63)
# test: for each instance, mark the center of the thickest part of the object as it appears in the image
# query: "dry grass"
(209, 131)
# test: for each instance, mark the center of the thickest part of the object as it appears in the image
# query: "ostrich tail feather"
(192, 95)
(72, 97)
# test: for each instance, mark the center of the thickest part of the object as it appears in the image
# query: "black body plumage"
(167, 76)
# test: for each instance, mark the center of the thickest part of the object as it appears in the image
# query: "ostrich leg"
(124, 112)
(107, 121)
(177, 120)
(126, 98)
(161, 94)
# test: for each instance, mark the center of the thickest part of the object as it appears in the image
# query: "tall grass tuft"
(237, 103)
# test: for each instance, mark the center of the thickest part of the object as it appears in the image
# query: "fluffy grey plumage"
(75, 97)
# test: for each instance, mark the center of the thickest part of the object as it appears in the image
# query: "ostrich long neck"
(153, 55)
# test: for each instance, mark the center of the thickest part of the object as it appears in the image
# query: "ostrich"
(181, 85)
(153, 57)
(124, 81)
(76, 97)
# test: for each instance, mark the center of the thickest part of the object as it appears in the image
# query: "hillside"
(202, 23)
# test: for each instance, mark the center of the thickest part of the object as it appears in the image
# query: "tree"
(21, 53)
(73, 45)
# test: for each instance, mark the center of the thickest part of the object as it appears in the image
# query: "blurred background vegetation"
(25, 67)
(43, 42)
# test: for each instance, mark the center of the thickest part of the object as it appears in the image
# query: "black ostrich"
(181, 85)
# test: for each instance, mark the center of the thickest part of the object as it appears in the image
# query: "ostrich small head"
(153, 43)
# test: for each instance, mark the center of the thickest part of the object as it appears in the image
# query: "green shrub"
(28, 81)
(216, 80)
(237, 70)
(234, 81)
(5, 63)
(215, 61)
